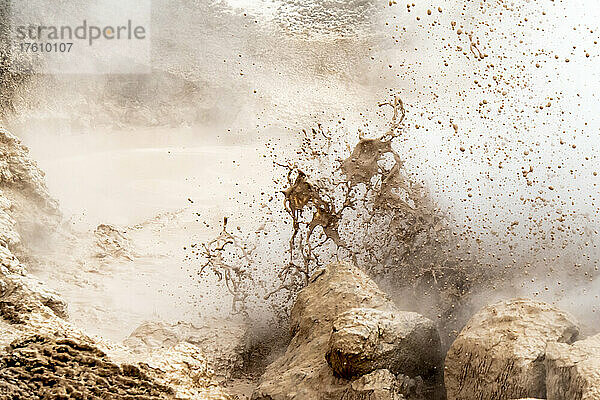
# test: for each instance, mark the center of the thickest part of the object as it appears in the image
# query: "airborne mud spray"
(447, 149)
(362, 208)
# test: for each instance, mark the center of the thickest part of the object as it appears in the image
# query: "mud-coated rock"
(500, 353)
(378, 385)
(383, 385)
(365, 339)
(186, 370)
(573, 372)
(302, 372)
(221, 341)
(27, 214)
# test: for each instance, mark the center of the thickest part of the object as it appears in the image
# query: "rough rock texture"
(112, 243)
(185, 369)
(27, 213)
(500, 352)
(302, 372)
(383, 385)
(365, 339)
(378, 385)
(220, 341)
(40, 367)
(573, 372)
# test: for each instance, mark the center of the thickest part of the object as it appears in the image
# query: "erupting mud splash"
(362, 208)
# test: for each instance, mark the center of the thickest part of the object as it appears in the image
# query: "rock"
(365, 339)
(500, 352)
(63, 368)
(383, 385)
(27, 214)
(185, 369)
(378, 385)
(27, 211)
(181, 370)
(221, 341)
(573, 372)
(112, 243)
(302, 372)
(39, 292)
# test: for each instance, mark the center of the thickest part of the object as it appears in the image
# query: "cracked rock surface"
(500, 352)
(573, 371)
(365, 339)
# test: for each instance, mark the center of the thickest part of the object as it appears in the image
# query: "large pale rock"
(573, 372)
(378, 385)
(187, 371)
(500, 352)
(221, 341)
(365, 339)
(27, 212)
(302, 372)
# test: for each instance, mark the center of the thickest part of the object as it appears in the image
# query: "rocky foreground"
(348, 340)
(351, 342)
